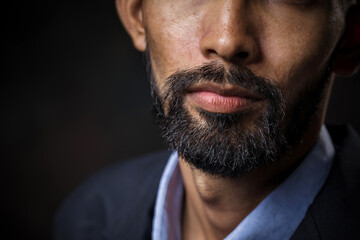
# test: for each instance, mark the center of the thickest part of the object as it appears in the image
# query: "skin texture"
(289, 42)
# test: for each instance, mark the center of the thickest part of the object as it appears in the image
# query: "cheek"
(296, 53)
(173, 46)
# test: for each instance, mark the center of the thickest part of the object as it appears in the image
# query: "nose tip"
(229, 48)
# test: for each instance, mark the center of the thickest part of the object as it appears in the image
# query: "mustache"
(178, 83)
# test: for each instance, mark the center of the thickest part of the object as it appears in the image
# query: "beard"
(224, 144)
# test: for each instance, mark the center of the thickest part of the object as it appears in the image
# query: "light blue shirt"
(276, 217)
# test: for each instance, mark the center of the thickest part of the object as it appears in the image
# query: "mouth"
(218, 98)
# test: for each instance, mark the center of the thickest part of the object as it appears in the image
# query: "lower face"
(229, 118)
(233, 135)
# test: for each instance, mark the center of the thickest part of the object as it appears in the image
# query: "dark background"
(77, 99)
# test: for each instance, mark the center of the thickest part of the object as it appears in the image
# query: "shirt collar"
(276, 217)
(168, 205)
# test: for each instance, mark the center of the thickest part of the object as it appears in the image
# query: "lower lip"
(212, 102)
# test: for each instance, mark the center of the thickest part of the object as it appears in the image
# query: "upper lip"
(224, 90)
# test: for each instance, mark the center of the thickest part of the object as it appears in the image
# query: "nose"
(228, 32)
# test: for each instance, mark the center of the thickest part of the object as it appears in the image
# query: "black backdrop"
(77, 99)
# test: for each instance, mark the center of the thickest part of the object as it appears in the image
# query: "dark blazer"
(118, 202)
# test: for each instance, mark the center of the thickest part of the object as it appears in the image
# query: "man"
(240, 90)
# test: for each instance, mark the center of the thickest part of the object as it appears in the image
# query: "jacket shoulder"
(112, 200)
(335, 212)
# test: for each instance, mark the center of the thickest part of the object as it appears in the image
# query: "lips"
(221, 98)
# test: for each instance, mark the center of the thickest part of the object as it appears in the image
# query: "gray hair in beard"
(222, 146)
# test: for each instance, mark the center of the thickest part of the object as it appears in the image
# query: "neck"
(214, 205)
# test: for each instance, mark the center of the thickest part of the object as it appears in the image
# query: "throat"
(214, 206)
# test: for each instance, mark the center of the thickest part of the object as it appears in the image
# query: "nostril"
(211, 52)
(238, 56)
(242, 55)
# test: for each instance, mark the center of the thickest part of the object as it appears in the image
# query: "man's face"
(235, 73)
